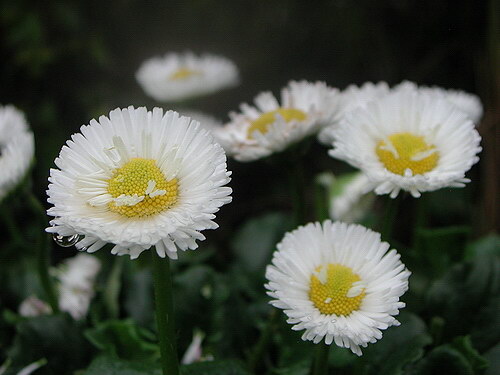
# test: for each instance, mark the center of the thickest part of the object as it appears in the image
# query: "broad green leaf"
(109, 365)
(457, 358)
(440, 247)
(57, 338)
(489, 245)
(123, 339)
(469, 290)
(399, 346)
(256, 240)
(223, 367)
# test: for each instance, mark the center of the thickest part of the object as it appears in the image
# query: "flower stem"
(263, 343)
(14, 232)
(44, 245)
(391, 210)
(113, 286)
(298, 192)
(320, 364)
(165, 314)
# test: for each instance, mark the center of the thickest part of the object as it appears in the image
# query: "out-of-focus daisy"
(351, 98)
(179, 76)
(76, 284)
(271, 126)
(17, 147)
(33, 306)
(338, 283)
(349, 196)
(138, 179)
(194, 352)
(76, 288)
(409, 140)
(468, 103)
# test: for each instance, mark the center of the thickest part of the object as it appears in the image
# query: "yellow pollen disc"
(407, 151)
(330, 297)
(262, 123)
(132, 180)
(183, 73)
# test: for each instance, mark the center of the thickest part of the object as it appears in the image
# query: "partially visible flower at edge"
(17, 148)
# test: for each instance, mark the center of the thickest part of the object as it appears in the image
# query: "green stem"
(113, 287)
(263, 343)
(165, 314)
(298, 192)
(320, 364)
(43, 256)
(12, 228)
(321, 198)
(391, 209)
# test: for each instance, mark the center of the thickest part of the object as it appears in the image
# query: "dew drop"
(333, 321)
(65, 241)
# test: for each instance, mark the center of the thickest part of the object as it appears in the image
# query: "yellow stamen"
(402, 151)
(140, 189)
(183, 73)
(262, 123)
(329, 290)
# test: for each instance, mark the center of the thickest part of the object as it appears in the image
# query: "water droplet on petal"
(65, 241)
(333, 321)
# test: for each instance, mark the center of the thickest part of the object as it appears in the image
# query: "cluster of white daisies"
(140, 180)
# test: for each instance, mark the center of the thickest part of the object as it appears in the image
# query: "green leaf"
(440, 247)
(57, 338)
(223, 367)
(109, 365)
(457, 358)
(489, 245)
(470, 289)
(256, 240)
(398, 347)
(123, 339)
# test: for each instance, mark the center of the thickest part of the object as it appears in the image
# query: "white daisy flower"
(409, 140)
(179, 76)
(351, 98)
(17, 147)
(138, 179)
(468, 103)
(337, 282)
(77, 277)
(350, 197)
(272, 126)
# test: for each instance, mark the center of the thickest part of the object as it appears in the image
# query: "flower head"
(337, 283)
(179, 76)
(76, 284)
(409, 140)
(271, 126)
(17, 147)
(138, 179)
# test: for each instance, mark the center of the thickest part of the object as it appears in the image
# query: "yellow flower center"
(183, 73)
(262, 123)
(402, 151)
(140, 189)
(335, 289)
